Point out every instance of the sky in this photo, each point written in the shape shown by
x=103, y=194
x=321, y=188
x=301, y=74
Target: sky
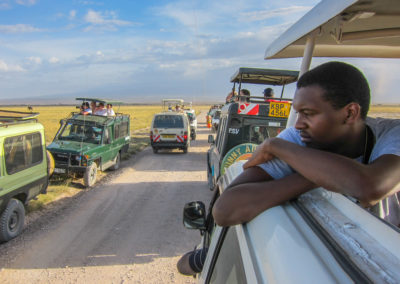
x=143, y=51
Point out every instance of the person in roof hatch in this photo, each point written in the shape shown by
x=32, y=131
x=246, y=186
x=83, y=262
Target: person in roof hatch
x=244, y=96
x=100, y=110
x=333, y=145
x=268, y=94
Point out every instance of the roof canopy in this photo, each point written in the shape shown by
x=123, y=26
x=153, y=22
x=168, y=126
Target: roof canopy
x=344, y=28
x=104, y=101
x=264, y=76
x=173, y=101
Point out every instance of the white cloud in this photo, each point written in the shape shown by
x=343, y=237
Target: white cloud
x=26, y=2
x=104, y=20
x=9, y=68
x=19, y=28
x=72, y=14
x=267, y=14
x=54, y=60
x=35, y=59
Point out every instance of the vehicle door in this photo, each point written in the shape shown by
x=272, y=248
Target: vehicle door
x=108, y=151
x=220, y=141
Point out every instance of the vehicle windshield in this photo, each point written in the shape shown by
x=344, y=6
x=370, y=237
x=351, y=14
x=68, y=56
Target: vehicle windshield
x=168, y=121
x=81, y=133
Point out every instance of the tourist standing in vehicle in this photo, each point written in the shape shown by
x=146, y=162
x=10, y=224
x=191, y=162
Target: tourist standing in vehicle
x=101, y=110
x=268, y=94
x=244, y=96
x=85, y=109
x=110, y=111
x=333, y=145
x=231, y=97
x=93, y=107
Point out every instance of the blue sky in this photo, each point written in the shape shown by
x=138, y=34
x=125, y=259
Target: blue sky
x=142, y=51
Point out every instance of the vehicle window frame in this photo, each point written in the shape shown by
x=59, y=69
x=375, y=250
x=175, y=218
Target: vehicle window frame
x=33, y=149
x=227, y=231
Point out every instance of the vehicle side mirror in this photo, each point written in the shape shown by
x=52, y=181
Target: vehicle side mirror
x=62, y=121
x=194, y=215
x=211, y=139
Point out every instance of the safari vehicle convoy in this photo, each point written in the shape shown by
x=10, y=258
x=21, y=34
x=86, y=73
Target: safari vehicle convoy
x=170, y=129
x=243, y=125
x=322, y=236
x=85, y=143
x=24, y=168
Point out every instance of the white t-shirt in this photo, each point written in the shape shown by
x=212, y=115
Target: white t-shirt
x=102, y=111
x=387, y=137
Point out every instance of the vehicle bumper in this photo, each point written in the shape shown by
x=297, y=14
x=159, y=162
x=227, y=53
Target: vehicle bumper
x=169, y=145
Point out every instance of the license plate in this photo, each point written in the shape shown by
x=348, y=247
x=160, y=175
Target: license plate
x=277, y=109
x=168, y=136
x=59, y=171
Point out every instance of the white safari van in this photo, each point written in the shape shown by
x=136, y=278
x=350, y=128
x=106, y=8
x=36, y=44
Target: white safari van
x=170, y=130
x=322, y=237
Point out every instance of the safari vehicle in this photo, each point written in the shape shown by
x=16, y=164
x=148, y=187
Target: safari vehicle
x=321, y=237
x=248, y=122
x=23, y=168
x=170, y=130
x=86, y=143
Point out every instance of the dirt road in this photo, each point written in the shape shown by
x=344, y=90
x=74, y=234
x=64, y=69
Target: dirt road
x=125, y=230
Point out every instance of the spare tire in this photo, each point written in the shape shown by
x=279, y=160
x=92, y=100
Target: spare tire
x=50, y=163
x=237, y=153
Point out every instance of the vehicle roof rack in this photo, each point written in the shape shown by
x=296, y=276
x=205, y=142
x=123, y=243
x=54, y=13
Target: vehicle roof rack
x=8, y=117
x=264, y=76
x=104, y=101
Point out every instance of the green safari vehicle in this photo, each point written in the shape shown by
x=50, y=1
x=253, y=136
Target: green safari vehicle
x=85, y=143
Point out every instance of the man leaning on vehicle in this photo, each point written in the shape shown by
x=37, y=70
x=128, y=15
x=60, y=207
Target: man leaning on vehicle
x=333, y=145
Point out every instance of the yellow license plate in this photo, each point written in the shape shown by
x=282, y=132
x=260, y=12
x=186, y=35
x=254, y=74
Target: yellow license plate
x=277, y=109
x=168, y=136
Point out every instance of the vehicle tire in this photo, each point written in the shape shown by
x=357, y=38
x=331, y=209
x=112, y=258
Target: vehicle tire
x=12, y=220
x=50, y=163
x=185, y=149
x=117, y=162
x=89, y=178
x=155, y=150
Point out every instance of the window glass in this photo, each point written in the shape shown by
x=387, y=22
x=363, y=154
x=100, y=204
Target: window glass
x=168, y=121
x=81, y=133
x=229, y=266
x=22, y=152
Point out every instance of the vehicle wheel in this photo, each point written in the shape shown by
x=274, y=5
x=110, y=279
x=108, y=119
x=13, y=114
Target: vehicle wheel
x=185, y=149
x=12, y=220
x=117, y=162
x=155, y=150
x=89, y=178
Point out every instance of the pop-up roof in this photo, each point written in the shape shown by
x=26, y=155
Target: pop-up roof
x=264, y=76
x=344, y=28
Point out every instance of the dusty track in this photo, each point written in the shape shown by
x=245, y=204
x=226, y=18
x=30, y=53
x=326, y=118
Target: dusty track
x=127, y=229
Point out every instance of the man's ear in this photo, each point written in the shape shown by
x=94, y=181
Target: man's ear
x=353, y=112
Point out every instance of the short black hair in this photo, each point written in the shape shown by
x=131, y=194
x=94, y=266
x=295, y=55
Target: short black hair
x=343, y=84
x=245, y=92
x=268, y=93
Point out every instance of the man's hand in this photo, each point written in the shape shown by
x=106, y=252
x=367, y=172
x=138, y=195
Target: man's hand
x=260, y=155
